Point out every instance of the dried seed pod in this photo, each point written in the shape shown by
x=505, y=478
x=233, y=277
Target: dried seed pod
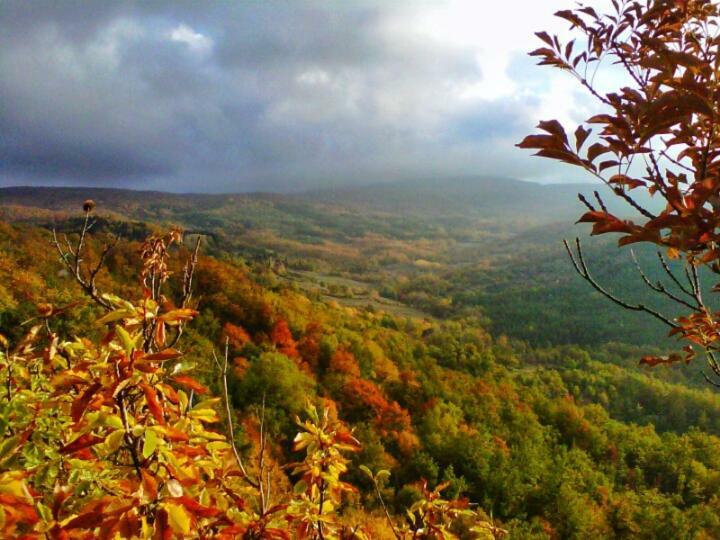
x=45, y=310
x=88, y=205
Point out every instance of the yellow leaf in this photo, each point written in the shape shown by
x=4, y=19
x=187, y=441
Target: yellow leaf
x=178, y=315
x=178, y=518
x=12, y=484
x=114, y=440
x=206, y=415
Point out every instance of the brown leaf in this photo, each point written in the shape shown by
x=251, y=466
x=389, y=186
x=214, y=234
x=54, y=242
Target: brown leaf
x=581, y=135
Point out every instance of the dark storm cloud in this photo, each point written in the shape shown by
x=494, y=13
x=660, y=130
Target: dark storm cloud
x=220, y=96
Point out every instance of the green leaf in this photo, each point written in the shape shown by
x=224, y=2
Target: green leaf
x=300, y=487
x=150, y=443
x=126, y=340
x=8, y=447
x=45, y=512
x=382, y=475
x=113, y=316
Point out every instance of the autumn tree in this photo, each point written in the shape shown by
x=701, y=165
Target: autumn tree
x=655, y=138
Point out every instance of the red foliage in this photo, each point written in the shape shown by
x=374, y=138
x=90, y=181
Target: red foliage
x=363, y=399
x=283, y=339
x=309, y=344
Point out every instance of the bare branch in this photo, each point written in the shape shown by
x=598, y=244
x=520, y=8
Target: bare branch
x=187, y=284
x=72, y=257
x=188, y=274
x=228, y=412
x=600, y=201
x=709, y=380
x=660, y=288
x=586, y=202
x=581, y=268
x=696, y=283
x=669, y=272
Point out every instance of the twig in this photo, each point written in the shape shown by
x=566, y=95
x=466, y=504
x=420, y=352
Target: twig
x=660, y=288
x=581, y=268
x=72, y=257
x=231, y=429
x=669, y=272
x=385, y=509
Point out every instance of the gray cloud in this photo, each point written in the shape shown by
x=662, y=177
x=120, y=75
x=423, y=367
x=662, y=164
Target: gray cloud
x=224, y=96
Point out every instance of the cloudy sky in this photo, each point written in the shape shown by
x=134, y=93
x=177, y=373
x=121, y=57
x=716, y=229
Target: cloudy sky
x=251, y=95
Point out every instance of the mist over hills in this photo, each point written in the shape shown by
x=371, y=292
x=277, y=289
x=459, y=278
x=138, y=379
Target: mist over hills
x=488, y=196
x=505, y=199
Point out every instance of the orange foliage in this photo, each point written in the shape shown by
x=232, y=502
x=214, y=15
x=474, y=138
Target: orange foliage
x=236, y=335
x=240, y=366
x=666, y=118
x=343, y=361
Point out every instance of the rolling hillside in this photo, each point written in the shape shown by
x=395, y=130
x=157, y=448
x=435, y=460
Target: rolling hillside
x=487, y=247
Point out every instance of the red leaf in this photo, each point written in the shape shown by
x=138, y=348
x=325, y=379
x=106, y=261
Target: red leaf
x=197, y=508
x=189, y=382
x=81, y=402
x=84, y=441
x=581, y=135
x=555, y=128
x=149, y=484
x=607, y=164
x=539, y=141
x=545, y=37
x=162, y=356
x=160, y=333
x=153, y=403
x=653, y=361
x=174, y=434
x=595, y=216
x=89, y=520
x=596, y=150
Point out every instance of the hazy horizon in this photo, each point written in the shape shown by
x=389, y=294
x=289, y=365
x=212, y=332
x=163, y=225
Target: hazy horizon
x=305, y=190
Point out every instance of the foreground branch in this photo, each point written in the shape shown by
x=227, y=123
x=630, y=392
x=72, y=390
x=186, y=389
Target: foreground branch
x=582, y=269
x=228, y=411
x=72, y=258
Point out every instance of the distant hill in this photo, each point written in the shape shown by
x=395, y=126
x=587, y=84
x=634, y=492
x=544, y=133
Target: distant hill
x=503, y=198
x=506, y=200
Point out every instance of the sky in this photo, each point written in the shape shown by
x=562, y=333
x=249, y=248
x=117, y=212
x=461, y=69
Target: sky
x=275, y=96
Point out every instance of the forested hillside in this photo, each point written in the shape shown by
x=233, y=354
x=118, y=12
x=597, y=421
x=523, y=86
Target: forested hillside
x=551, y=441
x=443, y=248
